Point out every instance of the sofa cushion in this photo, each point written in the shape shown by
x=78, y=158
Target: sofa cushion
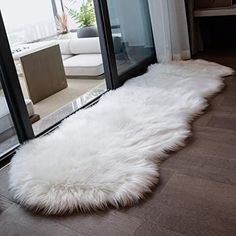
x=5, y=117
x=84, y=65
x=65, y=46
x=85, y=46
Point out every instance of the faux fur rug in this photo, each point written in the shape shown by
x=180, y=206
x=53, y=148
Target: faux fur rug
x=109, y=154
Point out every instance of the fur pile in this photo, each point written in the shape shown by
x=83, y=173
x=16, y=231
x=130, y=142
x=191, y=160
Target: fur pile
x=108, y=154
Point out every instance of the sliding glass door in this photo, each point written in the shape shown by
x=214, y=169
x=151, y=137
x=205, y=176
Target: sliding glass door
x=58, y=72
x=127, y=49
x=15, y=125
x=128, y=46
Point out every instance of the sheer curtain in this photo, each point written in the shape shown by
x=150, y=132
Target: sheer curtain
x=170, y=29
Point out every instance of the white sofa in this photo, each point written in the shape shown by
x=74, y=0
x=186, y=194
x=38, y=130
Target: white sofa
x=5, y=117
x=82, y=57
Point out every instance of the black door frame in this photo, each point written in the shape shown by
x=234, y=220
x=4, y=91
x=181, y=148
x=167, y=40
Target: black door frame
x=12, y=90
x=106, y=42
x=105, y=34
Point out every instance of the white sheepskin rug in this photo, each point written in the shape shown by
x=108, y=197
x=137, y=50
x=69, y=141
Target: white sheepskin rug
x=108, y=155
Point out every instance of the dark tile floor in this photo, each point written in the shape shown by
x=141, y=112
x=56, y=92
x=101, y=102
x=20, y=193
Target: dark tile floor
x=196, y=194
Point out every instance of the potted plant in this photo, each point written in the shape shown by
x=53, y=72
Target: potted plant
x=86, y=19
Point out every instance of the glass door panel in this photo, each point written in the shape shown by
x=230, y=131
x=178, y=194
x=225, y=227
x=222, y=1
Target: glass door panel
x=131, y=33
x=127, y=39
x=55, y=81
x=8, y=137
x=14, y=118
